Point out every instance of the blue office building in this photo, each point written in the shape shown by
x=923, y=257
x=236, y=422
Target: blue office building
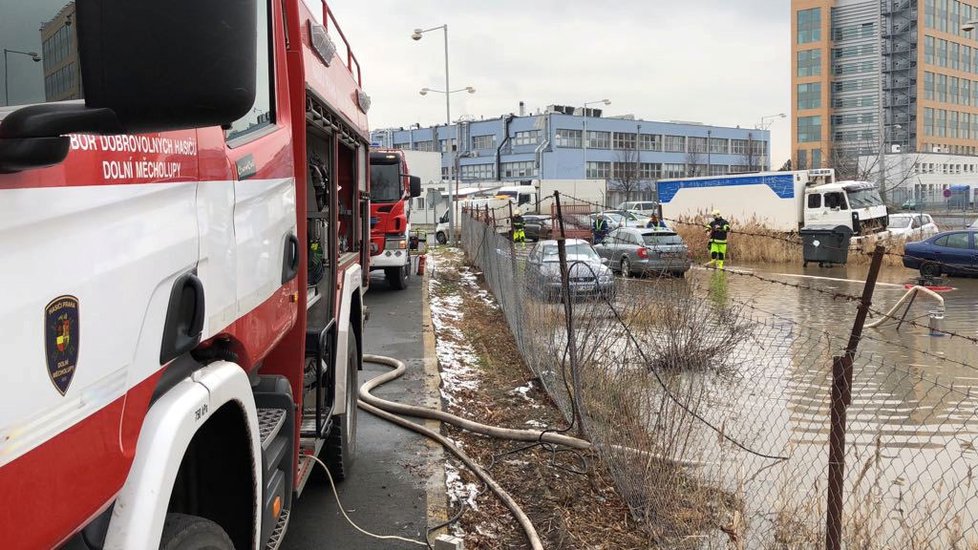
x=619, y=151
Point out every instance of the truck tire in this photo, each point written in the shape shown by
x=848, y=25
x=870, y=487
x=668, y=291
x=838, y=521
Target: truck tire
x=341, y=443
x=441, y=237
x=185, y=532
x=397, y=277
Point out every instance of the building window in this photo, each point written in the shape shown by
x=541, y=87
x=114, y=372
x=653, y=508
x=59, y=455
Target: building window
x=476, y=171
x=809, y=129
x=674, y=144
x=426, y=145
x=854, y=68
x=929, y=50
x=598, y=140
x=650, y=142
x=853, y=31
x=598, y=170
x=809, y=63
x=809, y=25
x=809, y=96
x=696, y=144
x=649, y=171
x=802, y=155
x=928, y=85
x=528, y=137
x=569, y=138
x=447, y=145
x=719, y=146
x=738, y=147
x=624, y=140
x=673, y=170
x=484, y=142
x=519, y=169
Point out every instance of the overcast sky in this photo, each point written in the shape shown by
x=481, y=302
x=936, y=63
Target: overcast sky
x=723, y=62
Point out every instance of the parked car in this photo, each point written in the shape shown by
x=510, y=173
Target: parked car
x=622, y=218
x=635, y=251
x=950, y=252
x=644, y=207
x=537, y=227
x=913, y=227
x=910, y=204
x=588, y=274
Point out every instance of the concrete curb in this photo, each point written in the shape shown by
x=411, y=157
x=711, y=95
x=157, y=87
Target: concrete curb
x=436, y=492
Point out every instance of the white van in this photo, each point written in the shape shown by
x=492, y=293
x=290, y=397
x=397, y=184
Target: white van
x=645, y=207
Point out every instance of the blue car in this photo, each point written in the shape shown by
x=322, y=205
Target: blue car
x=950, y=252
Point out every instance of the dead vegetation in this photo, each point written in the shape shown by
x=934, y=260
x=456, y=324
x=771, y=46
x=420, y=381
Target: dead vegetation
x=569, y=496
x=752, y=242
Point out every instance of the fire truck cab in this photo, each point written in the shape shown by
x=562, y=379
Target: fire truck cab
x=391, y=190
x=184, y=208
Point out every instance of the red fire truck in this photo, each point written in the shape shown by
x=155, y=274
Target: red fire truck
x=181, y=265
x=391, y=190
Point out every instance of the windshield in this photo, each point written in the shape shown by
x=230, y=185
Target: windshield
x=864, y=198
x=899, y=223
x=661, y=238
x=385, y=185
x=578, y=249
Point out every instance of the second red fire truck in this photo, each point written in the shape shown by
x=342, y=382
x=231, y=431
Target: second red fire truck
x=182, y=259
x=391, y=190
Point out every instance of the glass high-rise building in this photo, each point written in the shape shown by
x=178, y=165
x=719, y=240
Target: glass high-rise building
x=901, y=75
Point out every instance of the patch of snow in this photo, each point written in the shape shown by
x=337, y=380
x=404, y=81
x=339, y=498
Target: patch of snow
x=459, y=491
x=523, y=391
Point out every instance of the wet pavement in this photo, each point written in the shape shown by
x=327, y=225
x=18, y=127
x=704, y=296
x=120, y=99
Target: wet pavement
x=385, y=493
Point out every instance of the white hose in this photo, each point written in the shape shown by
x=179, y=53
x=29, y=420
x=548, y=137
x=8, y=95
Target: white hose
x=888, y=316
x=373, y=405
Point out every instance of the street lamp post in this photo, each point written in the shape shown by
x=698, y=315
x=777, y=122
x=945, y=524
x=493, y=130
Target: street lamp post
x=709, y=157
x=416, y=35
x=584, y=131
x=765, y=125
x=6, y=88
x=453, y=167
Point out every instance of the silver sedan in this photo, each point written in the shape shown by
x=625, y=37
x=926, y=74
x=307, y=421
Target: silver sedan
x=636, y=251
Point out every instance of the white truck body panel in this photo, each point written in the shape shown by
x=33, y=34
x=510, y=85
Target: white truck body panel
x=772, y=199
x=592, y=191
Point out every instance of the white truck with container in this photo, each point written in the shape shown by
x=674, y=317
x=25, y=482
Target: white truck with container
x=830, y=216
x=779, y=201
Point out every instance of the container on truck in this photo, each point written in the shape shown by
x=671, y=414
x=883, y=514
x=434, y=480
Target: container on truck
x=781, y=201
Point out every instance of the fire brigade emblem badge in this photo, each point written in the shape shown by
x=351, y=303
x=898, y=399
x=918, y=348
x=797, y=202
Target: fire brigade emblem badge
x=61, y=339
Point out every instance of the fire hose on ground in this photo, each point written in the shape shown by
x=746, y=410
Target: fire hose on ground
x=388, y=410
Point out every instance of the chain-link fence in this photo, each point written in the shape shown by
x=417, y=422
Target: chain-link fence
x=713, y=415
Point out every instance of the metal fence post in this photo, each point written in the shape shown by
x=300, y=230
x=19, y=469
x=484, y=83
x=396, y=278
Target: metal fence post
x=841, y=398
x=569, y=314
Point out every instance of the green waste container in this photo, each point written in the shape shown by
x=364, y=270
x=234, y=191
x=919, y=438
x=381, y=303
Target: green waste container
x=825, y=245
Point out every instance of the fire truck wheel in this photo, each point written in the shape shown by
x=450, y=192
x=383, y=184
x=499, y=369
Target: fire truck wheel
x=183, y=532
x=397, y=277
x=341, y=443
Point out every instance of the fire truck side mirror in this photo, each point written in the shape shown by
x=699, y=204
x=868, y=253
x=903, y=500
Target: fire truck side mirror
x=146, y=66
x=168, y=65
x=415, y=186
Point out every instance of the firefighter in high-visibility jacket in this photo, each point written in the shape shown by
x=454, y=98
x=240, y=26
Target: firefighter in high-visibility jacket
x=718, y=229
x=519, y=227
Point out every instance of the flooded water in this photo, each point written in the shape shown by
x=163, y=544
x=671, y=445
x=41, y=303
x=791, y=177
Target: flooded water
x=912, y=426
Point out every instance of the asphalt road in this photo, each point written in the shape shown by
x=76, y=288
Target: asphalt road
x=385, y=493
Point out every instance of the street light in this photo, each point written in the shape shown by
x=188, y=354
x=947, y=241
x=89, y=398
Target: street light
x=762, y=126
x=454, y=168
x=416, y=35
x=584, y=131
x=6, y=90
